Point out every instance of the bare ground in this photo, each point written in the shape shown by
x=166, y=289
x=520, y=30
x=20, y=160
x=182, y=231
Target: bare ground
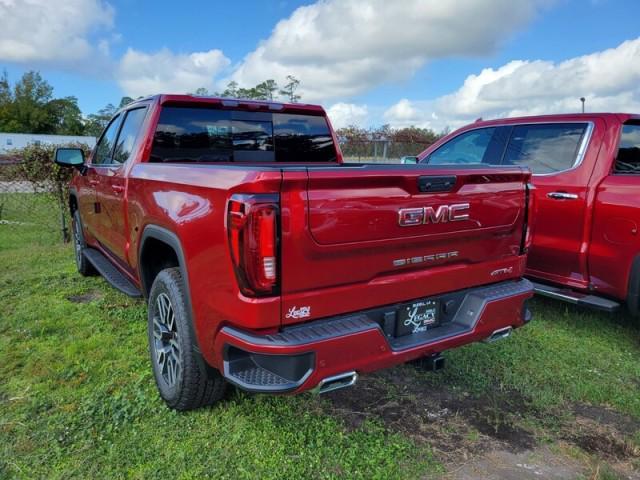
x=499, y=435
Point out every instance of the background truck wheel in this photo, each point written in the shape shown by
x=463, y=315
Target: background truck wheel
x=184, y=380
x=84, y=266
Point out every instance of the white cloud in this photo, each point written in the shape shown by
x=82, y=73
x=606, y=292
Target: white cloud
x=341, y=48
x=346, y=114
x=405, y=114
x=49, y=31
x=609, y=80
x=141, y=73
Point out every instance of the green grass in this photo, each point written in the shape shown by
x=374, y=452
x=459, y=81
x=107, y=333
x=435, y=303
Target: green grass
x=34, y=217
x=77, y=397
x=565, y=355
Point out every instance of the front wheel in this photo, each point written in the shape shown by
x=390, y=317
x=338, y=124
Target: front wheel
x=182, y=376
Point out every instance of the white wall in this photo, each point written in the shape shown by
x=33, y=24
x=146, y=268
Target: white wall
x=10, y=141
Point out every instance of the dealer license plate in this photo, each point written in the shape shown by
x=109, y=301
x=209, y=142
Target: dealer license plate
x=416, y=317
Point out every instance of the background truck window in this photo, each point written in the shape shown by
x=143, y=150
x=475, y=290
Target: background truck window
x=628, y=158
x=545, y=148
x=212, y=135
x=474, y=147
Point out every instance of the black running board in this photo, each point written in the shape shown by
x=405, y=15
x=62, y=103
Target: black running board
x=110, y=273
x=577, y=298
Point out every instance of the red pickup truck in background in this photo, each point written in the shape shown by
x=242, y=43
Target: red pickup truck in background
x=269, y=263
x=586, y=173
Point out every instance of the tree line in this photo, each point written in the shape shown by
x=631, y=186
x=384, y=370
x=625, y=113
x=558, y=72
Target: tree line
x=370, y=142
x=29, y=105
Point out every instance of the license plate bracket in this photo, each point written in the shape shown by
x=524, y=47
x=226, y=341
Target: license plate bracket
x=417, y=317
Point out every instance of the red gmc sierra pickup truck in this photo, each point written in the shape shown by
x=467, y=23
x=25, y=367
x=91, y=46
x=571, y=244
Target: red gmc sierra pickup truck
x=271, y=264
x=586, y=173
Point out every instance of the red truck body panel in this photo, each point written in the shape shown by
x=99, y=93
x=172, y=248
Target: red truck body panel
x=587, y=243
x=341, y=246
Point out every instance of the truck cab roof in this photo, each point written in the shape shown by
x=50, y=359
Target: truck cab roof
x=230, y=103
x=556, y=117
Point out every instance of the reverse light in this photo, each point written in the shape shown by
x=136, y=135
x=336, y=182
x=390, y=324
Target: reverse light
x=252, y=223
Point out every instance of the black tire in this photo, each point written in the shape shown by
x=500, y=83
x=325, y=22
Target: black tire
x=79, y=245
x=184, y=380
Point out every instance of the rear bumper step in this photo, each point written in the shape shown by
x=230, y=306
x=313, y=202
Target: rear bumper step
x=110, y=273
x=318, y=353
x=576, y=298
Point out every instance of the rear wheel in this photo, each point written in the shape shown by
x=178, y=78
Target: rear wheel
x=79, y=245
x=184, y=380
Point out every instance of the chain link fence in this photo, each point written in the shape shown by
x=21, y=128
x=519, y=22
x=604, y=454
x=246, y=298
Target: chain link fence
x=380, y=151
x=28, y=205
x=34, y=193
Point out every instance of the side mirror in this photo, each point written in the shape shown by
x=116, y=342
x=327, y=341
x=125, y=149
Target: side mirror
x=69, y=157
x=409, y=160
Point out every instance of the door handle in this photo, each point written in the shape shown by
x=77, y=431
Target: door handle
x=117, y=188
x=562, y=196
x=94, y=183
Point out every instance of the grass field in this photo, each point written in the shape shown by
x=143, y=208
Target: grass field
x=77, y=398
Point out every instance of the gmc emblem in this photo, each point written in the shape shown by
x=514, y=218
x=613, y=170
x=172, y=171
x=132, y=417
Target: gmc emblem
x=409, y=217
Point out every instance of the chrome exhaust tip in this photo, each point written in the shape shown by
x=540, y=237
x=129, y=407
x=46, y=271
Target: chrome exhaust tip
x=336, y=382
x=499, y=334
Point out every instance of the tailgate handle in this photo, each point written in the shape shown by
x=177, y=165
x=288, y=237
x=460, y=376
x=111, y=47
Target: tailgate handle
x=436, y=184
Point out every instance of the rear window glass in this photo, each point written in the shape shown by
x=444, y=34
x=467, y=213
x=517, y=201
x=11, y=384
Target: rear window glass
x=545, y=148
x=211, y=135
x=628, y=159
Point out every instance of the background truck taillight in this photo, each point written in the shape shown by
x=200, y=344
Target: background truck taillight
x=252, y=223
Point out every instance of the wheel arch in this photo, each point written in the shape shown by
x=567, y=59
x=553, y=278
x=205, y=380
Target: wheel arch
x=160, y=248
x=154, y=233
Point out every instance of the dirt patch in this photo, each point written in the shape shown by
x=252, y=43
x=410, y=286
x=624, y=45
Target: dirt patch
x=85, y=297
x=606, y=445
x=455, y=424
x=603, y=432
x=605, y=416
x=463, y=428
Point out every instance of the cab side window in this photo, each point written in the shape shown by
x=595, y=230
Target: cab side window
x=128, y=135
x=628, y=158
x=104, y=149
x=545, y=148
x=475, y=147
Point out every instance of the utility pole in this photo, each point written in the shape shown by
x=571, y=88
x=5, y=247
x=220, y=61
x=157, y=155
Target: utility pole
x=582, y=99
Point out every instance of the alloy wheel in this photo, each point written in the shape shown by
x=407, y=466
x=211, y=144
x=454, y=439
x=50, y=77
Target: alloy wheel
x=165, y=341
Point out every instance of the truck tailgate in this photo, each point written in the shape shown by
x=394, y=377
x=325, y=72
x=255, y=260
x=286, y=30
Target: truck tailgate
x=354, y=237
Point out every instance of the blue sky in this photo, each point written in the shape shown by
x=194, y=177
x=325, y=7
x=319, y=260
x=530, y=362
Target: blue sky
x=368, y=62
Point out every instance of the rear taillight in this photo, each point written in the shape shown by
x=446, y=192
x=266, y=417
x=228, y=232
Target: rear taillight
x=252, y=223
